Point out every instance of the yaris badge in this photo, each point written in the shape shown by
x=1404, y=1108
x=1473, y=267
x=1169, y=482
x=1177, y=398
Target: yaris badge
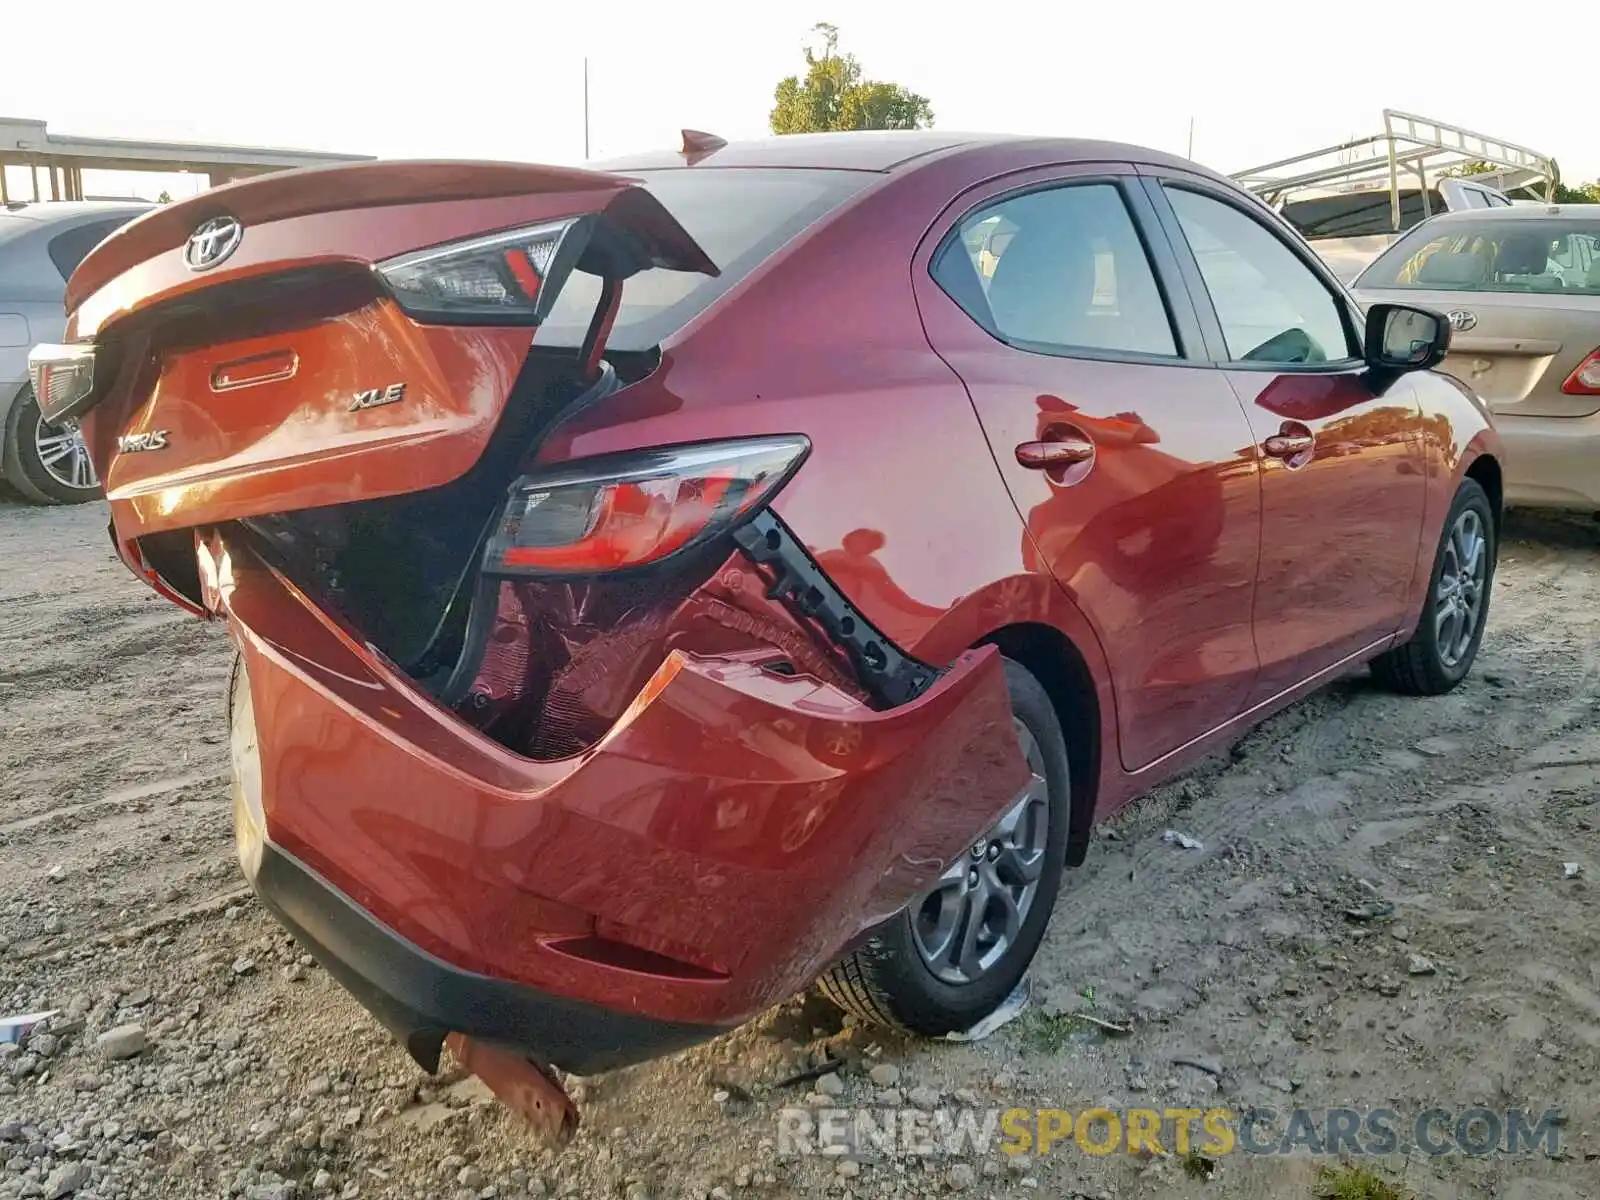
x=132, y=443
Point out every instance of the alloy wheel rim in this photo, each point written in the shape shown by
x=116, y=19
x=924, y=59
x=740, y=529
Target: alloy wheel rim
x=1463, y=581
x=64, y=455
x=964, y=925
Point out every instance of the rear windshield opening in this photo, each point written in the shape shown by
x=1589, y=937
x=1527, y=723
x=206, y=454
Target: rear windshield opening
x=1360, y=214
x=1489, y=255
x=739, y=216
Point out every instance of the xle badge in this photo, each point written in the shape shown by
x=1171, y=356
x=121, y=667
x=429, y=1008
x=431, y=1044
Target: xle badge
x=132, y=443
x=378, y=397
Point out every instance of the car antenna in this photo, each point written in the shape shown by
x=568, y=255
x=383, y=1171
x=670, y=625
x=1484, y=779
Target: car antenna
x=697, y=144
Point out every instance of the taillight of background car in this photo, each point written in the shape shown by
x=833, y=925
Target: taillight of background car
x=1585, y=381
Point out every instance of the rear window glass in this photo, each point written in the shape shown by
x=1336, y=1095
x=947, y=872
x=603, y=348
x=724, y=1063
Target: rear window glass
x=738, y=216
x=69, y=249
x=1359, y=214
x=1548, y=256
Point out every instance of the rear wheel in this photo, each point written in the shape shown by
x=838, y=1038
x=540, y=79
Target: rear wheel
x=1441, y=651
x=48, y=464
x=956, y=952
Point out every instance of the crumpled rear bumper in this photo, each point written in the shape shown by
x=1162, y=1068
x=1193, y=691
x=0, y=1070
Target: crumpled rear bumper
x=729, y=837
x=420, y=998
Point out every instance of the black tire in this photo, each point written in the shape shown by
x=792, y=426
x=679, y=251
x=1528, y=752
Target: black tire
x=22, y=465
x=888, y=982
x=1420, y=667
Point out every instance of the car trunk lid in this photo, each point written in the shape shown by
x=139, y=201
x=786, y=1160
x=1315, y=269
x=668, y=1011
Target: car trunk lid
x=287, y=374
x=282, y=353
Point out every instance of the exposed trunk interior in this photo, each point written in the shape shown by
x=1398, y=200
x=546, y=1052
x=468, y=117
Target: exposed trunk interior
x=349, y=344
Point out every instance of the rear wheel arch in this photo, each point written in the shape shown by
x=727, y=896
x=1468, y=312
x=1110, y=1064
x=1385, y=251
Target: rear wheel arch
x=1486, y=469
x=1052, y=658
x=21, y=464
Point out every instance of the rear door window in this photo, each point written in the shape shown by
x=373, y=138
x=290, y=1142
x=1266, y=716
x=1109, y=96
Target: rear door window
x=1058, y=270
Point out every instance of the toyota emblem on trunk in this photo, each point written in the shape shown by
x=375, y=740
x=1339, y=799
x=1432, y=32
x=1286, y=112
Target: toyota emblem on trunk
x=212, y=242
x=1461, y=320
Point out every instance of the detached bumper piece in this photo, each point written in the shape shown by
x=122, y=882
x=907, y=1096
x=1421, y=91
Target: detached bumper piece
x=729, y=837
x=522, y=1086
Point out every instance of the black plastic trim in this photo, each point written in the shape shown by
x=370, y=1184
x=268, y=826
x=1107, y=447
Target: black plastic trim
x=420, y=998
x=890, y=675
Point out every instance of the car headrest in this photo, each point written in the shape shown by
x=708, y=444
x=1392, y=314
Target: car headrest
x=1043, y=284
x=1523, y=254
x=1453, y=267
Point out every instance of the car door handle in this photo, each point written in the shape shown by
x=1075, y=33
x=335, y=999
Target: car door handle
x=1287, y=445
x=1044, y=456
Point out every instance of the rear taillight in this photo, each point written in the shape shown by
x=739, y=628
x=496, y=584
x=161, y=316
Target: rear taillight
x=1585, y=381
x=62, y=379
x=637, y=509
x=506, y=278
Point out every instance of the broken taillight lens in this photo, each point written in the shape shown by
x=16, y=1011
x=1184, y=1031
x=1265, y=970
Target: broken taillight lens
x=637, y=509
x=506, y=278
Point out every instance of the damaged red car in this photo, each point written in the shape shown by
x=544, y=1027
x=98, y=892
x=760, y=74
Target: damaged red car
x=660, y=587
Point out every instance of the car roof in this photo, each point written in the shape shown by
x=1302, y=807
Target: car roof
x=46, y=211
x=865, y=150
x=1520, y=212
x=884, y=150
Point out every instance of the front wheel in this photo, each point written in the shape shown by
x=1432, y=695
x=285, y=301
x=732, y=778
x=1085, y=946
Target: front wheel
x=1441, y=651
x=48, y=464
x=956, y=952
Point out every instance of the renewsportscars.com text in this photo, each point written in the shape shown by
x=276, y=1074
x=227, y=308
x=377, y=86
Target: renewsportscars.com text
x=1214, y=1132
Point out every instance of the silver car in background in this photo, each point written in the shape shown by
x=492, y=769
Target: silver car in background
x=40, y=245
x=1521, y=287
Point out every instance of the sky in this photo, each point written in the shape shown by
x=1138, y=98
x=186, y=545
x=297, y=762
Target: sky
x=489, y=79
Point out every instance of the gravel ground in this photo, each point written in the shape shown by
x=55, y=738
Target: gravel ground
x=198, y=1054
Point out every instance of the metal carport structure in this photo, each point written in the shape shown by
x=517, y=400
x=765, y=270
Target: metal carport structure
x=62, y=159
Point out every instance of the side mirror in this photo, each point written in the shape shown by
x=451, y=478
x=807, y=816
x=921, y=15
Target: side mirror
x=1402, y=338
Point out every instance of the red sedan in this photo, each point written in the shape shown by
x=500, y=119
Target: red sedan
x=659, y=587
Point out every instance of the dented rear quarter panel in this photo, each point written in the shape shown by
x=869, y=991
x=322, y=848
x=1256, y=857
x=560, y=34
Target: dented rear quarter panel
x=901, y=501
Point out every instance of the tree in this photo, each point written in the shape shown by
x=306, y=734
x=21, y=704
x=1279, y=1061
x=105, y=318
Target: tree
x=1584, y=193
x=834, y=96
x=164, y=198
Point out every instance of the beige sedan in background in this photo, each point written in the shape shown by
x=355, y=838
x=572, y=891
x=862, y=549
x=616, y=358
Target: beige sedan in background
x=1521, y=287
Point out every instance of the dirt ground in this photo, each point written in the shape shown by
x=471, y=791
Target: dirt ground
x=1268, y=961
